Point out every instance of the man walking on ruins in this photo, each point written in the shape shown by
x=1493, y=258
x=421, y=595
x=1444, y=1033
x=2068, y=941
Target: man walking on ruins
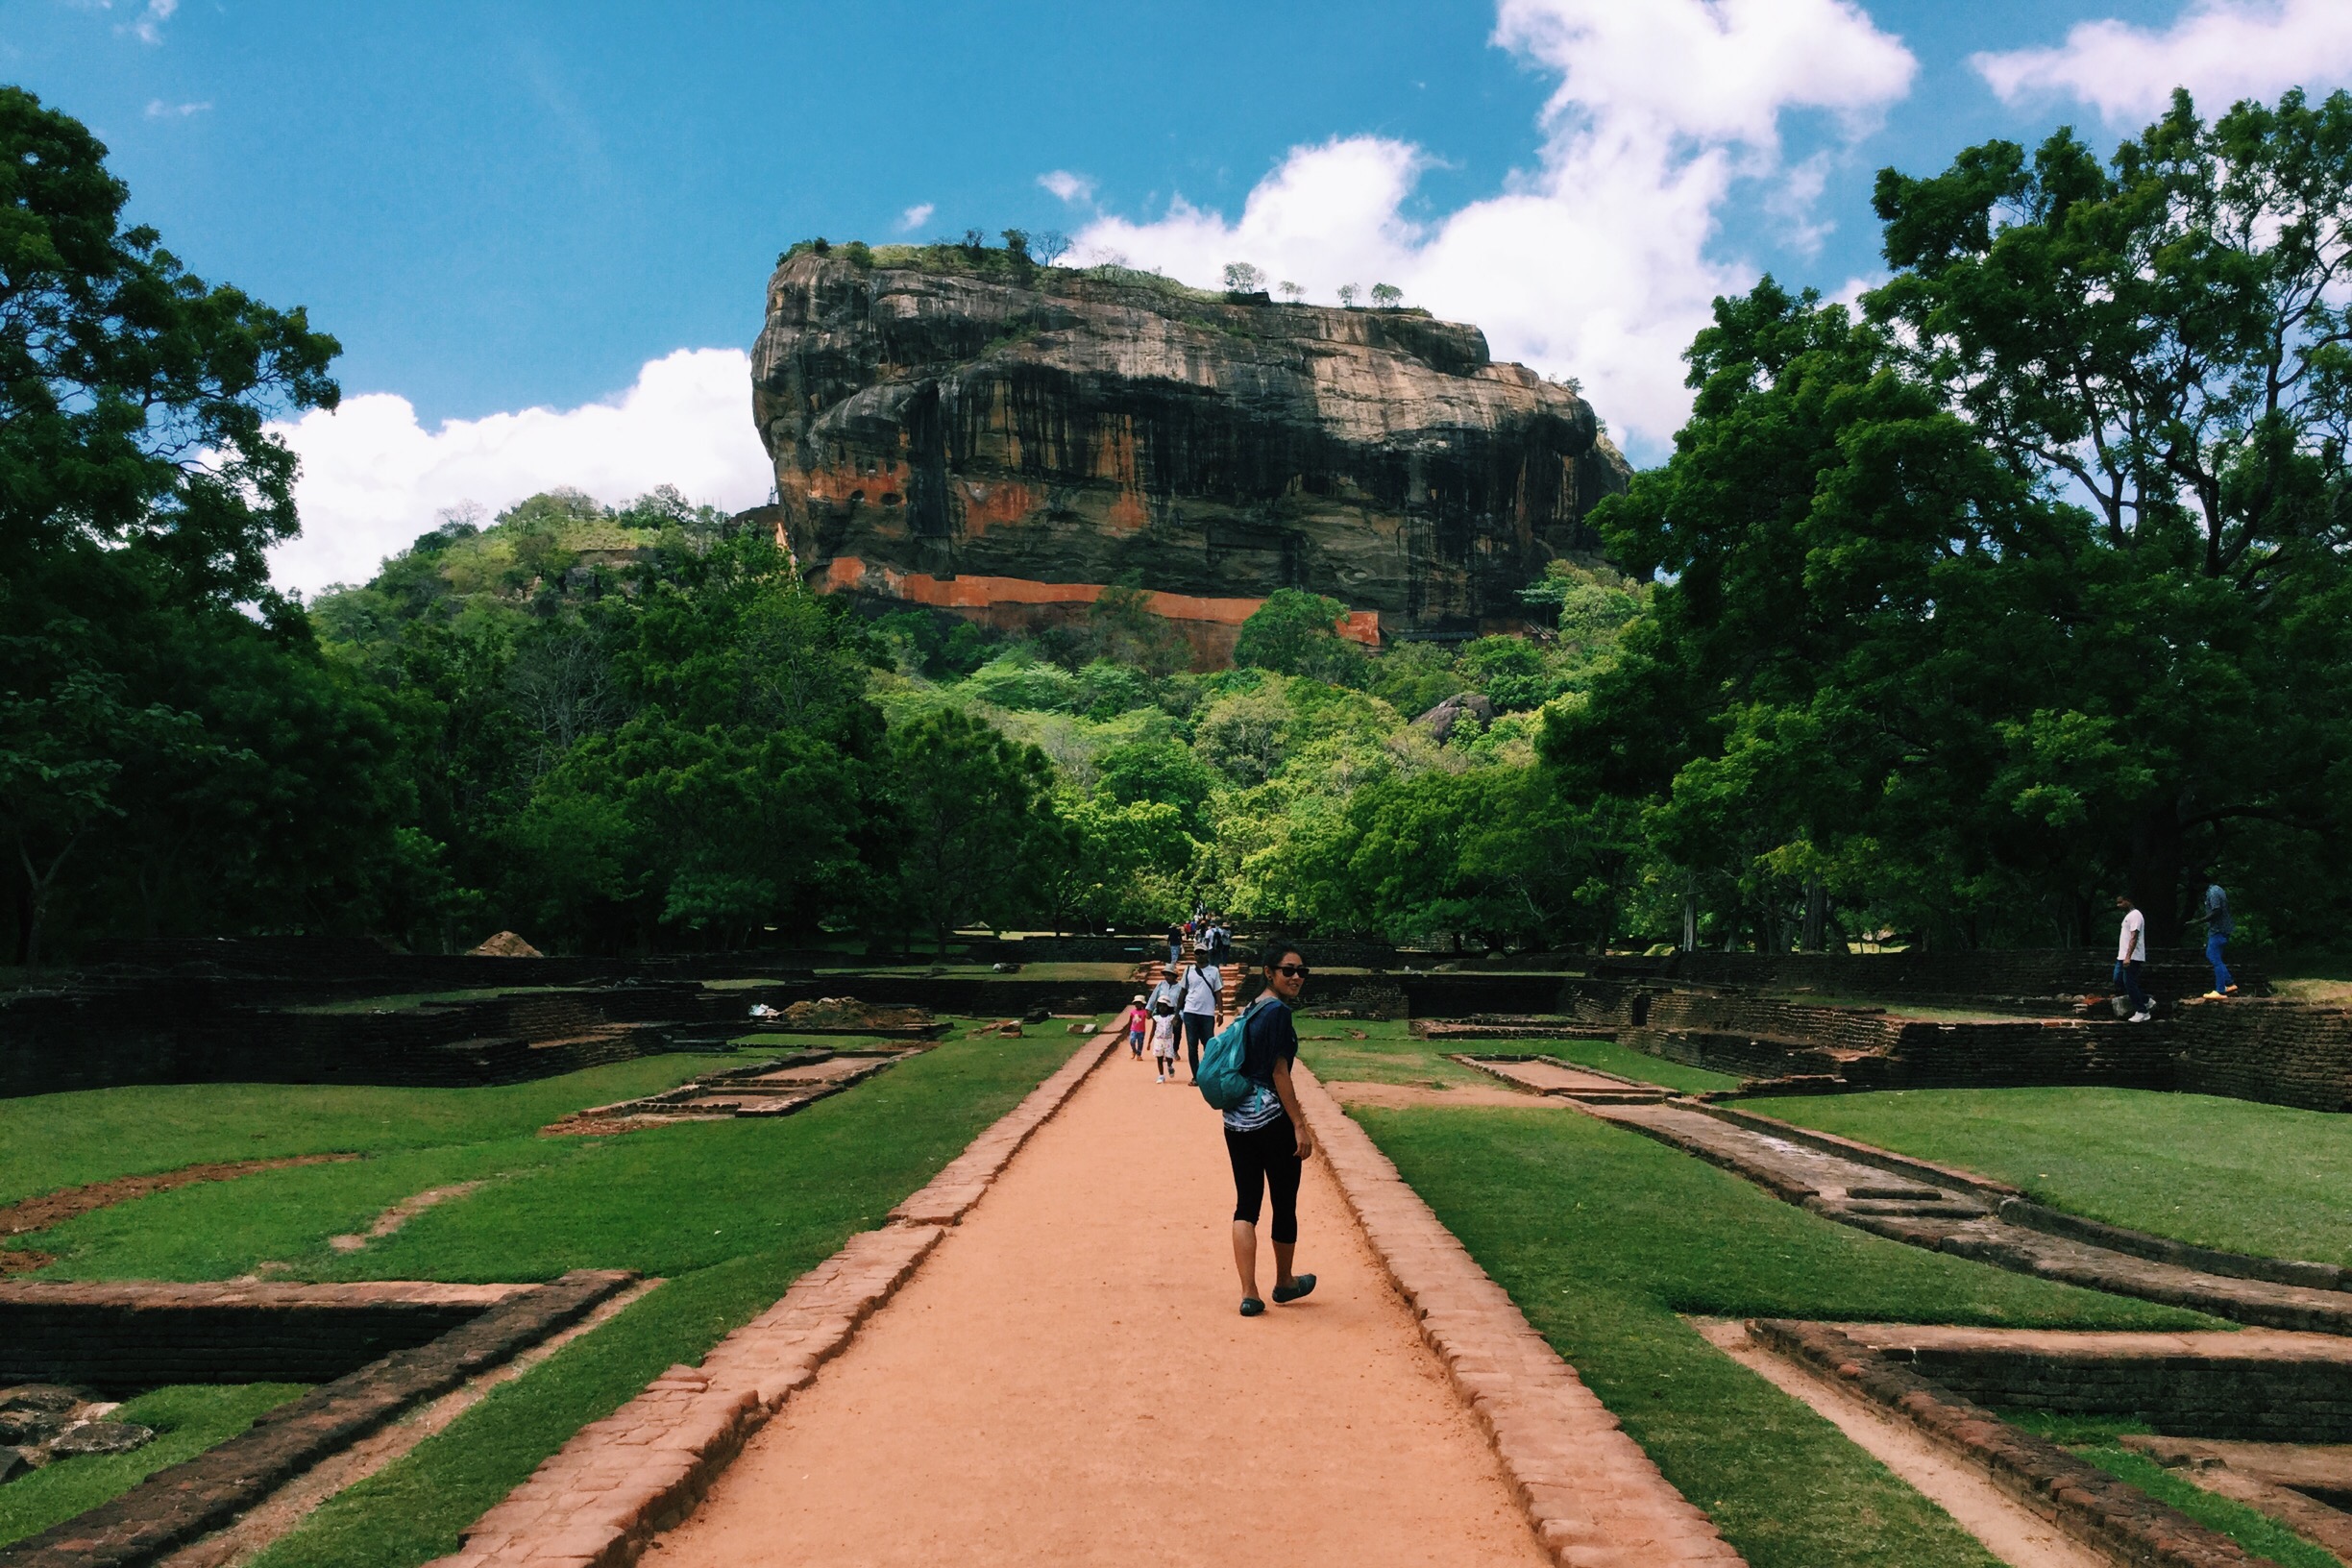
x=1203, y=996
x=2131, y=956
x=2220, y=927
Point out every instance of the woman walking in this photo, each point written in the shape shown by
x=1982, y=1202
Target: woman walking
x=1266, y=1136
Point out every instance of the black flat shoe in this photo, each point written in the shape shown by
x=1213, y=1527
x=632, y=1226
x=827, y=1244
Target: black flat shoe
x=1303, y=1286
x=1251, y=1306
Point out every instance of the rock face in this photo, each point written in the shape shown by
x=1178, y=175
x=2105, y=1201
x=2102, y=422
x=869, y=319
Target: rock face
x=1004, y=444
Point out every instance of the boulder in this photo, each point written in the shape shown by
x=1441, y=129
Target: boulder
x=1439, y=721
x=1004, y=444
x=99, y=1437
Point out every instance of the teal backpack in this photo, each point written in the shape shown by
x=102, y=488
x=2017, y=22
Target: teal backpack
x=1219, y=1077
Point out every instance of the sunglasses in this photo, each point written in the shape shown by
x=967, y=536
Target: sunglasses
x=1295, y=971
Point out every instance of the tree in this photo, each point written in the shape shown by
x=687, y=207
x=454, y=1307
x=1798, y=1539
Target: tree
x=2164, y=340
x=1161, y=772
x=1049, y=245
x=1347, y=296
x=1291, y=292
x=1240, y=278
x=1387, y=296
x=1017, y=243
x=1123, y=627
x=1948, y=632
x=973, y=829
x=139, y=489
x=1293, y=632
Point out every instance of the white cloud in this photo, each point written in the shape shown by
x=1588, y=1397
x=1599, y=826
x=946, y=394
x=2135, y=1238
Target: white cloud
x=373, y=479
x=159, y=109
x=2221, y=50
x=1070, y=187
x=148, y=28
x=1594, y=263
x=915, y=218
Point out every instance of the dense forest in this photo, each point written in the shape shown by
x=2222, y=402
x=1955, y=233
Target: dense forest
x=2020, y=584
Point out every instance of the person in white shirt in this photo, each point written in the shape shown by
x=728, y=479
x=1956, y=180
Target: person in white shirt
x=1165, y=1031
x=1203, y=998
x=2131, y=955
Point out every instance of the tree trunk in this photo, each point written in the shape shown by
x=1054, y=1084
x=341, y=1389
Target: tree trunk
x=1816, y=917
x=1690, y=922
x=2156, y=872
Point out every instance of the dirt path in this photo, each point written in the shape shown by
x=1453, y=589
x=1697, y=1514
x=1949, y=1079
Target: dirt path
x=1066, y=1381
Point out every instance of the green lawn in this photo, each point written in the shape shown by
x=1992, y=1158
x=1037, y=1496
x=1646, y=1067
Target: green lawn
x=49, y=1142
x=1604, y=1237
x=188, y=1418
x=1393, y=1055
x=729, y=1213
x=2222, y=1173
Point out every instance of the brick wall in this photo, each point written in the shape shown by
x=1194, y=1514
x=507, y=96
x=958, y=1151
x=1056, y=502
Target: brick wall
x=2278, y=1052
x=139, y=1333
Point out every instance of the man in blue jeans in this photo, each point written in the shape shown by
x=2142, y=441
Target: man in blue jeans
x=2218, y=929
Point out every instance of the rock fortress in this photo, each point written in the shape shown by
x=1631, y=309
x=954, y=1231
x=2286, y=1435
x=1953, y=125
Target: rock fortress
x=1003, y=446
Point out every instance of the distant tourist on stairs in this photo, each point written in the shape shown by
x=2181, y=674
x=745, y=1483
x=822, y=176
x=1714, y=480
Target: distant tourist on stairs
x=1266, y=1136
x=2220, y=927
x=2131, y=957
x=1175, y=940
x=1203, y=998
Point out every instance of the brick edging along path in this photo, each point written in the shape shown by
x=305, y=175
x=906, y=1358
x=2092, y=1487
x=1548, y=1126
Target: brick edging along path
x=1596, y=1500
x=600, y=1498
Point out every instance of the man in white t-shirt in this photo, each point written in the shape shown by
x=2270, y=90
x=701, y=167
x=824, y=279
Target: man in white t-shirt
x=1203, y=998
x=2131, y=954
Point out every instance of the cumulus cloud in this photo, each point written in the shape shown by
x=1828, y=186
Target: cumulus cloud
x=148, y=26
x=2221, y=50
x=916, y=216
x=1596, y=261
x=159, y=109
x=1070, y=187
x=373, y=479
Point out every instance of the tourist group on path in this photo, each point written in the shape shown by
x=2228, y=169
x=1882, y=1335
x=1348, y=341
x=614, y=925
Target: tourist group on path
x=1243, y=1071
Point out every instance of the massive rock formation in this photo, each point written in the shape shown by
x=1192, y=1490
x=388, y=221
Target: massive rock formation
x=1005, y=443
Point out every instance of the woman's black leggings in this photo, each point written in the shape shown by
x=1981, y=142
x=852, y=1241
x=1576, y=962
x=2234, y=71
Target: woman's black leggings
x=1266, y=1159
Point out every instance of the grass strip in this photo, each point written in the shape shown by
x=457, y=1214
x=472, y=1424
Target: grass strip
x=1602, y=1238
x=1391, y=1053
x=188, y=1418
x=787, y=1200
x=49, y=1142
x=2265, y=1179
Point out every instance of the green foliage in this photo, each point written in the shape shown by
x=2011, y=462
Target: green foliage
x=1293, y=634
x=174, y=754
x=1967, y=646
x=973, y=834
x=1161, y=772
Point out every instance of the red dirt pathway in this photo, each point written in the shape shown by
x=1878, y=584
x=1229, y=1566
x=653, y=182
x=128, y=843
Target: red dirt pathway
x=1067, y=1380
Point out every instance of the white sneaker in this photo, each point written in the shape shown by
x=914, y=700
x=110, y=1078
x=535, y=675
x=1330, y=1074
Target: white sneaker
x=2141, y=1018
x=1161, y=1079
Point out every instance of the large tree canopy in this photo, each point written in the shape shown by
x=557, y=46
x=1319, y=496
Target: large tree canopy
x=151, y=683
x=2028, y=587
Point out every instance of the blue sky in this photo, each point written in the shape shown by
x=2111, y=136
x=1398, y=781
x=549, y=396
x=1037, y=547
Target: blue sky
x=500, y=209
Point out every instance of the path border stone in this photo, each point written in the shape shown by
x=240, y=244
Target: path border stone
x=1595, y=1499
x=600, y=1499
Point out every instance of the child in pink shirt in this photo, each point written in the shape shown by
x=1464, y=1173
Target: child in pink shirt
x=1138, y=1020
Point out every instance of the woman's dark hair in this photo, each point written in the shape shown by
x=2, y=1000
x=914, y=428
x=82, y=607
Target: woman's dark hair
x=1274, y=952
